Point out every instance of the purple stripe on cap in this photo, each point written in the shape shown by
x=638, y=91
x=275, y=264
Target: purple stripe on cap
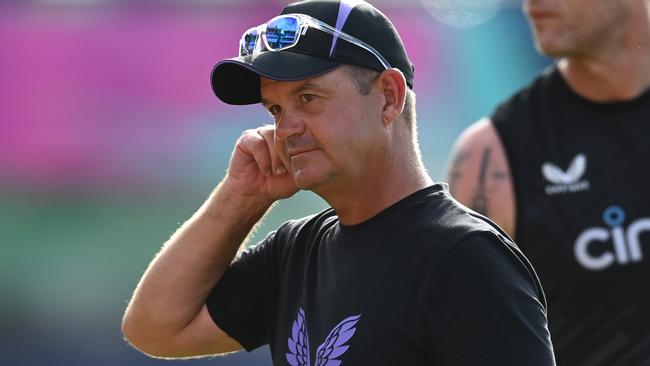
x=345, y=8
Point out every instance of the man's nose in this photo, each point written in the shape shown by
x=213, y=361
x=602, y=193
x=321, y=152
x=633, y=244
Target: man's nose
x=289, y=124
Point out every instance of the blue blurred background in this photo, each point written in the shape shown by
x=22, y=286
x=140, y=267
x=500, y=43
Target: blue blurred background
x=110, y=138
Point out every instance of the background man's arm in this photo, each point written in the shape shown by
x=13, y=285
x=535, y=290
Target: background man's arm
x=479, y=175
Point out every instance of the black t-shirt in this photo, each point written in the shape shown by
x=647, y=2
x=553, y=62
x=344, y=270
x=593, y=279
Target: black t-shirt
x=424, y=282
x=581, y=173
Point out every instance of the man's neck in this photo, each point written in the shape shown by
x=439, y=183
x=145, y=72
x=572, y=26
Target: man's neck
x=607, y=81
x=358, y=201
x=615, y=71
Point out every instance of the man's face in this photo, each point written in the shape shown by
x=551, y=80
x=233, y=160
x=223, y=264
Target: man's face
x=326, y=132
x=567, y=28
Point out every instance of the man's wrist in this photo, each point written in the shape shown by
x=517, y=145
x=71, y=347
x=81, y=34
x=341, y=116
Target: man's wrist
x=228, y=204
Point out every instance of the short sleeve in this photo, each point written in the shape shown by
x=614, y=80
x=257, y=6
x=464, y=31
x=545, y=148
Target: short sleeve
x=488, y=307
x=239, y=301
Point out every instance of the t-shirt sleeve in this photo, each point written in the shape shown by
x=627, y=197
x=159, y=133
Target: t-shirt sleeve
x=240, y=301
x=488, y=307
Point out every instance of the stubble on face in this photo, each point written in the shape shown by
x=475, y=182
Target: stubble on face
x=574, y=28
x=318, y=140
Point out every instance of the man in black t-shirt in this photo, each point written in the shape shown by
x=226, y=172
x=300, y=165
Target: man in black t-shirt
x=394, y=273
x=562, y=167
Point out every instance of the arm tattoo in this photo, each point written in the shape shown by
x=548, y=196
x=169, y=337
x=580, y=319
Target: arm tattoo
x=454, y=171
x=479, y=202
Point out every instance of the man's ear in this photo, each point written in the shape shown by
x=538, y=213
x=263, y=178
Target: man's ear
x=393, y=88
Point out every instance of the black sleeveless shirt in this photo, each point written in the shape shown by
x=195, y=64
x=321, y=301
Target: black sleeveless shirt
x=581, y=174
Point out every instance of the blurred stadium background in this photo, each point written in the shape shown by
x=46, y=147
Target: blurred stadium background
x=110, y=137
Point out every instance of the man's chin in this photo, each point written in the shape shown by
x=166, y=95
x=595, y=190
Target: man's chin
x=551, y=49
x=303, y=180
x=310, y=182
x=551, y=52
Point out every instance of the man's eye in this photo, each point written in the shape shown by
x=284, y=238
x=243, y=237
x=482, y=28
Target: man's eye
x=306, y=98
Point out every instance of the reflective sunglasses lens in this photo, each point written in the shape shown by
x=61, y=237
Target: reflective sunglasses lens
x=282, y=33
x=248, y=41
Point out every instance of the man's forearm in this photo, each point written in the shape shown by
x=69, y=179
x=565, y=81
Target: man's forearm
x=177, y=282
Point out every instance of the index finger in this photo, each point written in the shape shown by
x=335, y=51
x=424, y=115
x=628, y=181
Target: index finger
x=268, y=133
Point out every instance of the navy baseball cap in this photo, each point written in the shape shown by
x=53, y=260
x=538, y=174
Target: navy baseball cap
x=237, y=80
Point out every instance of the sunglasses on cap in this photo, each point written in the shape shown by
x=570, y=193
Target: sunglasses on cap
x=284, y=31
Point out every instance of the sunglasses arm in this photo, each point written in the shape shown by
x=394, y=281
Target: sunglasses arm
x=333, y=31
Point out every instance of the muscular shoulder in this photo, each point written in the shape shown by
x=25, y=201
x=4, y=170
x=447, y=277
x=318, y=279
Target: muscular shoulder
x=479, y=176
x=479, y=134
x=478, y=144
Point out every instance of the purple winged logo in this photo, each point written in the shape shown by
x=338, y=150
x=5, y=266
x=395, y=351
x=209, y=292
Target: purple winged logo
x=328, y=352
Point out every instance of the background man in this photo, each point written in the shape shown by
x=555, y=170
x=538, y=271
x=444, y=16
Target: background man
x=562, y=167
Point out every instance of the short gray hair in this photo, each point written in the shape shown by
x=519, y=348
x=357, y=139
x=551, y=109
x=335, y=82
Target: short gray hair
x=363, y=79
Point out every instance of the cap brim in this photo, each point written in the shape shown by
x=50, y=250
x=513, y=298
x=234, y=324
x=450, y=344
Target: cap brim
x=237, y=80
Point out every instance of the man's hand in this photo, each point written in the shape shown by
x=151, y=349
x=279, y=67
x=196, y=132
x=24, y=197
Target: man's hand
x=256, y=168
